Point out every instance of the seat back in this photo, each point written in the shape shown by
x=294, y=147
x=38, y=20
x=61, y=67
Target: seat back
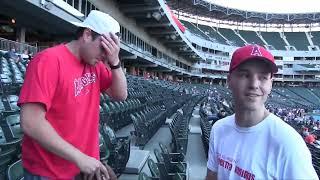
x=104, y=151
x=153, y=168
x=15, y=171
x=163, y=148
x=143, y=176
x=110, y=137
x=13, y=122
x=2, y=137
x=159, y=156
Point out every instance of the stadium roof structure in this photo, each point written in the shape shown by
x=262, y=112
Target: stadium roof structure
x=152, y=17
x=213, y=10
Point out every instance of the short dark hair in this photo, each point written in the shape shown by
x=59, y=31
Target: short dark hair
x=80, y=31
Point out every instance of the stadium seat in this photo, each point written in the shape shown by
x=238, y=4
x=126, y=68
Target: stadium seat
x=15, y=171
x=298, y=40
x=147, y=122
x=174, y=157
x=119, y=148
x=155, y=172
x=144, y=176
x=251, y=37
x=170, y=176
x=232, y=37
x=171, y=167
x=11, y=127
x=104, y=151
x=274, y=39
x=8, y=151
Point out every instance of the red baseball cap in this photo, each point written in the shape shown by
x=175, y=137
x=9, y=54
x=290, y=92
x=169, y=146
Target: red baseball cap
x=251, y=52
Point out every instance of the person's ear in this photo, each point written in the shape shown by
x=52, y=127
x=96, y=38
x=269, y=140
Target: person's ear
x=87, y=35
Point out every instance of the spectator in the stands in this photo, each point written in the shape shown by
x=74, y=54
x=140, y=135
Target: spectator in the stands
x=12, y=54
x=253, y=143
x=310, y=138
x=222, y=113
x=305, y=131
x=25, y=55
x=315, y=126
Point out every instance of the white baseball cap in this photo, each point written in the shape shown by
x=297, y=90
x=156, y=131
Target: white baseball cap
x=100, y=23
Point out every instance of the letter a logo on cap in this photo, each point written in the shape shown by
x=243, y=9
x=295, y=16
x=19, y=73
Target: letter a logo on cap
x=256, y=51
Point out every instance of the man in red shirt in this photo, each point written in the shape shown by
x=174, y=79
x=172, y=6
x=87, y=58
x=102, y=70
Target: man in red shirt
x=60, y=101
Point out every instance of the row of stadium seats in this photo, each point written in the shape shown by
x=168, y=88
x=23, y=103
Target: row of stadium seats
x=179, y=127
x=147, y=122
x=179, y=131
x=10, y=140
x=172, y=165
x=169, y=166
x=117, y=114
x=225, y=36
x=306, y=94
x=205, y=131
x=12, y=75
x=288, y=94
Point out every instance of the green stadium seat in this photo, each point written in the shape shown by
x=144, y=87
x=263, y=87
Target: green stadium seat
x=15, y=171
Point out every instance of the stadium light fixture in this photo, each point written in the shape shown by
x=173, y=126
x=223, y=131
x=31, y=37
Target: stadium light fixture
x=173, y=36
x=157, y=15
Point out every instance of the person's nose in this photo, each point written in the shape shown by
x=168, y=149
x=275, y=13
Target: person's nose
x=254, y=82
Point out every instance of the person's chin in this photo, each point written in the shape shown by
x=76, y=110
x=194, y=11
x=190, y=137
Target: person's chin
x=92, y=63
x=251, y=105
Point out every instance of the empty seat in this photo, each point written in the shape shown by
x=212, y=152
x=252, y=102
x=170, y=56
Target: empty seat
x=118, y=147
x=171, y=167
x=175, y=157
x=8, y=151
x=11, y=127
x=15, y=171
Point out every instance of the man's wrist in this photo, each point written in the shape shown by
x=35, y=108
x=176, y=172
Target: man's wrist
x=116, y=66
x=116, y=62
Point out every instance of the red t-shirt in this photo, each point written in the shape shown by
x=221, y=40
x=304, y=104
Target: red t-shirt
x=70, y=91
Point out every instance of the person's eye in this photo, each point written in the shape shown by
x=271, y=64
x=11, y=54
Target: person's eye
x=101, y=47
x=243, y=75
x=264, y=77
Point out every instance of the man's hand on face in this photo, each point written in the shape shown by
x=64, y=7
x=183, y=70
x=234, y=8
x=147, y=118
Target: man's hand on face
x=111, y=45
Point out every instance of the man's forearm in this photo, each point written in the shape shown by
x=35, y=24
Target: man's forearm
x=49, y=139
x=118, y=89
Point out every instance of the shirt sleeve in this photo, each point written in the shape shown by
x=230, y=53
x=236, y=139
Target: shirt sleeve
x=40, y=81
x=105, y=77
x=298, y=164
x=212, y=159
